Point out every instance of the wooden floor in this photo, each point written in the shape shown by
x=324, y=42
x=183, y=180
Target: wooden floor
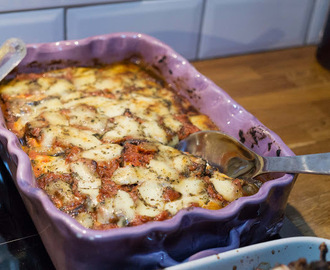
x=289, y=92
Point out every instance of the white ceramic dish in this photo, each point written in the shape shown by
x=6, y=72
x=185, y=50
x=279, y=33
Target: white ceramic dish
x=264, y=255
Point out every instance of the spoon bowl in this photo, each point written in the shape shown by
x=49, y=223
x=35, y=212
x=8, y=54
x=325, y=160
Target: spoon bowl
x=236, y=160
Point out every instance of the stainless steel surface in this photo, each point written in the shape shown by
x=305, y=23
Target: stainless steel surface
x=236, y=160
x=12, y=52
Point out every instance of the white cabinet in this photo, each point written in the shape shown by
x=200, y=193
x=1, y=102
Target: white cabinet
x=33, y=26
x=197, y=29
x=15, y=5
x=242, y=26
x=317, y=21
x=175, y=22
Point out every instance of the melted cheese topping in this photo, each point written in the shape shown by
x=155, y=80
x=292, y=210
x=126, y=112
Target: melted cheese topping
x=100, y=141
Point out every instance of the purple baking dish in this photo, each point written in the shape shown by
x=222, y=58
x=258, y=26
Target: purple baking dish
x=189, y=235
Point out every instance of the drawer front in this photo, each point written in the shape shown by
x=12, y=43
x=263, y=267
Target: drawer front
x=15, y=5
x=317, y=22
x=241, y=26
x=33, y=26
x=176, y=23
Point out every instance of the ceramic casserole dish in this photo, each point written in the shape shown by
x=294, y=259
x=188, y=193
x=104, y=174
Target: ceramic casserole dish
x=190, y=234
x=265, y=256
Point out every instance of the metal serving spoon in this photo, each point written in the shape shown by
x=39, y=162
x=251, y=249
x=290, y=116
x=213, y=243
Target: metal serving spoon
x=236, y=160
x=12, y=52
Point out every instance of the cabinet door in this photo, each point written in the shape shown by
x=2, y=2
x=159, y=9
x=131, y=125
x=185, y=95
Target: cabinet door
x=175, y=22
x=241, y=26
x=16, y=5
x=318, y=18
x=33, y=26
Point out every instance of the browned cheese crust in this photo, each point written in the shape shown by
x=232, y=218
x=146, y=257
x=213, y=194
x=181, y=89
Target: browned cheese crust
x=101, y=143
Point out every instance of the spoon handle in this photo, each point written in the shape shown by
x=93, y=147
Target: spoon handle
x=311, y=164
x=12, y=52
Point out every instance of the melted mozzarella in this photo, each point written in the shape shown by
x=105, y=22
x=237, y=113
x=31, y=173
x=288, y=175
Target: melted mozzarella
x=31, y=112
x=108, y=84
x=106, y=211
x=16, y=88
x=145, y=210
x=152, y=193
x=104, y=152
x=163, y=169
x=172, y=123
x=71, y=96
x=201, y=121
x=53, y=104
x=123, y=127
x=55, y=118
x=192, y=190
x=86, y=117
x=88, y=182
x=61, y=190
x=95, y=100
x=168, y=152
x=190, y=187
x=153, y=131
x=124, y=207
x=87, y=178
x=225, y=187
x=83, y=77
x=113, y=108
x=174, y=207
x=147, y=107
x=60, y=88
x=68, y=136
x=181, y=163
x=125, y=176
x=85, y=219
x=145, y=174
x=51, y=164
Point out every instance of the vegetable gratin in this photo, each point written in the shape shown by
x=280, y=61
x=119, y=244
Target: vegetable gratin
x=101, y=140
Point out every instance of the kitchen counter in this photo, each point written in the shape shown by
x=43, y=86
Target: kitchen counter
x=289, y=92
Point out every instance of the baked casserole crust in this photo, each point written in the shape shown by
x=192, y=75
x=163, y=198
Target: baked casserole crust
x=101, y=143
